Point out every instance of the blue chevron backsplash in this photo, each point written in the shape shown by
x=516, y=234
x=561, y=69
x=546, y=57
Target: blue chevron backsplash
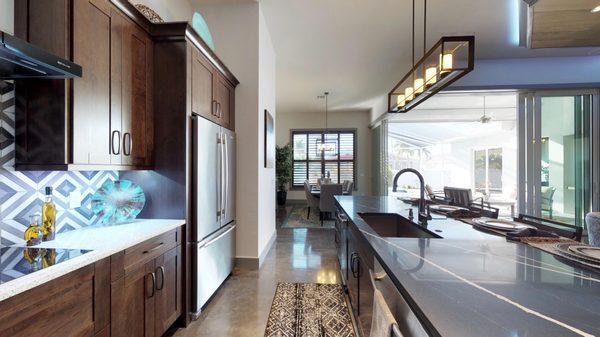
x=22, y=193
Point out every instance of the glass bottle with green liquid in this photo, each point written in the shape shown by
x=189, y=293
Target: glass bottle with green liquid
x=48, y=216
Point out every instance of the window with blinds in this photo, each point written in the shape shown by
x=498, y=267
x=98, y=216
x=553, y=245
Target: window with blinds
x=338, y=159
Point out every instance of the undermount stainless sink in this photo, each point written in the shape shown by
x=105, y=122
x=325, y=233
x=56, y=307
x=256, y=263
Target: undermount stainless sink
x=393, y=225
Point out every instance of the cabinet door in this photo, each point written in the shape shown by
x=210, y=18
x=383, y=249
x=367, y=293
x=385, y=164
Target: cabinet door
x=353, y=273
x=133, y=301
x=168, y=294
x=91, y=93
x=365, y=294
x=118, y=25
x=224, y=98
x=203, y=98
x=132, y=86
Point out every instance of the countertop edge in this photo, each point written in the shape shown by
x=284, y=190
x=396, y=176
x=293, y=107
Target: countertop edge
x=27, y=282
x=427, y=325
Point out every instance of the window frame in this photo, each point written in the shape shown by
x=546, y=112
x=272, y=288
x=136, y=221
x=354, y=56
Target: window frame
x=322, y=160
x=488, y=191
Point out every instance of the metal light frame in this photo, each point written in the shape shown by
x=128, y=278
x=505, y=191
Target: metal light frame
x=443, y=79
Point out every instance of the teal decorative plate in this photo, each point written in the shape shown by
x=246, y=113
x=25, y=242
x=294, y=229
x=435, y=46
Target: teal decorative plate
x=201, y=27
x=118, y=201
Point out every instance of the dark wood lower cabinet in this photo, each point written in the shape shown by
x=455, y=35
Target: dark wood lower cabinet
x=168, y=294
x=72, y=305
x=360, y=262
x=146, y=297
x=110, y=298
x=132, y=302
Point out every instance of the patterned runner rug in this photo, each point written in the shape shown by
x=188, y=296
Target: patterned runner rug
x=309, y=310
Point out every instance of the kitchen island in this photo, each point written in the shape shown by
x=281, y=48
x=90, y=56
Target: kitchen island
x=455, y=280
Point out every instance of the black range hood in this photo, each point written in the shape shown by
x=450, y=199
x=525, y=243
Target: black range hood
x=20, y=60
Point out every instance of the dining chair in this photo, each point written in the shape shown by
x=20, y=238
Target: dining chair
x=560, y=228
x=327, y=200
x=347, y=187
x=313, y=202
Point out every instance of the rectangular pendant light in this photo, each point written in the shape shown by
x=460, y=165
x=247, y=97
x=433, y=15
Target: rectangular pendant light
x=451, y=58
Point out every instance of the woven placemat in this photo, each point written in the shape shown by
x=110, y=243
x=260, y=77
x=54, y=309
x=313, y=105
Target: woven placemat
x=551, y=248
x=481, y=228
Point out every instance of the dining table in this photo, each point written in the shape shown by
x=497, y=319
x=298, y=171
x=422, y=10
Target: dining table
x=316, y=191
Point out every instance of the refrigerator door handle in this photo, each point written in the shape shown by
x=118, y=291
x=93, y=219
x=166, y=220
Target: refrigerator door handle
x=225, y=174
x=219, y=169
x=211, y=241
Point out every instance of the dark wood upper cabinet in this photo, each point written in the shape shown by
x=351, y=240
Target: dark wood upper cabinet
x=203, y=102
x=91, y=93
x=225, y=101
x=131, y=114
x=103, y=120
x=213, y=96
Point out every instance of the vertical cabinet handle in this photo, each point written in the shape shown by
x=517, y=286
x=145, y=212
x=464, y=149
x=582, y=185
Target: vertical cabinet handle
x=214, y=108
x=112, y=142
x=355, y=265
x=153, y=277
x=161, y=269
x=127, y=144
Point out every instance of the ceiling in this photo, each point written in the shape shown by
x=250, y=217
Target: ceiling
x=358, y=49
x=560, y=23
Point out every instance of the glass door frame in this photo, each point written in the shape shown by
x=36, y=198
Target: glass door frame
x=529, y=131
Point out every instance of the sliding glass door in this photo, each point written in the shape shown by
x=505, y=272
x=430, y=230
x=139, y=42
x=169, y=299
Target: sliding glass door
x=556, y=132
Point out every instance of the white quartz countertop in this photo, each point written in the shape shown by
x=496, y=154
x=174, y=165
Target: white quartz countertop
x=103, y=241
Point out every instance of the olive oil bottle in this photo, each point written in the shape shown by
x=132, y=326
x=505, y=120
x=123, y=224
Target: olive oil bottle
x=33, y=233
x=48, y=216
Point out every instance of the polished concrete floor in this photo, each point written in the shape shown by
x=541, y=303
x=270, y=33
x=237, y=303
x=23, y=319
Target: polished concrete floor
x=241, y=306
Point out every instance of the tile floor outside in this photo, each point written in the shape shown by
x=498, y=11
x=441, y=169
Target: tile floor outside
x=241, y=306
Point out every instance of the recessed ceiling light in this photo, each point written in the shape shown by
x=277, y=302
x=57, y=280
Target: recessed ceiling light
x=596, y=10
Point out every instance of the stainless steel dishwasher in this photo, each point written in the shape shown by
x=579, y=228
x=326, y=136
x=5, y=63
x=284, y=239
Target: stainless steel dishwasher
x=408, y=324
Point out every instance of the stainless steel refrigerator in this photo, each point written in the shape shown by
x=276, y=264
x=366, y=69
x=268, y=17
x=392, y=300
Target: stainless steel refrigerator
x=213, y=230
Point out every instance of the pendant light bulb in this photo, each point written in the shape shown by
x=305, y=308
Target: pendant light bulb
x=401, y=101
x=431, y=75
x=446, y=63
x=419, y=85
x=408, y=93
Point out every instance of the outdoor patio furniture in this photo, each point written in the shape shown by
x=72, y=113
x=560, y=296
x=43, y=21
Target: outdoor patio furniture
x=560, y=228
x=458, y=196
x=547, y=194
x=313, y=202
x=327, y=201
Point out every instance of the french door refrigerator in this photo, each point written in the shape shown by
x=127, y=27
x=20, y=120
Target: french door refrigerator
x=214, y=207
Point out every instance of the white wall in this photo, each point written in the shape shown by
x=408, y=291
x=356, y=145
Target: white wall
x=336, y=119
x=266, y=101
x=169, y=10
x=7, y=16
x=244, y=45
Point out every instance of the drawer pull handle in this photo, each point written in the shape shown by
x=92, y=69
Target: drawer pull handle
x=162, y=277
x=155, y=248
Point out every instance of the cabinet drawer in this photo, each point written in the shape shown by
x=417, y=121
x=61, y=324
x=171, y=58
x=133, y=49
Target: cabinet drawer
x=151, y=249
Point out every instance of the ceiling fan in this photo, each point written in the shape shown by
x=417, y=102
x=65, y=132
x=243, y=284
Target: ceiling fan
x=485, y=119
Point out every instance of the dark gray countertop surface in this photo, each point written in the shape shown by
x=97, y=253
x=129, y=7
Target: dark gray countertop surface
x=472, y=283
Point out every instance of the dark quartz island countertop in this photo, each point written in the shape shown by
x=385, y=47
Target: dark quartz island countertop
x=473, y=284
